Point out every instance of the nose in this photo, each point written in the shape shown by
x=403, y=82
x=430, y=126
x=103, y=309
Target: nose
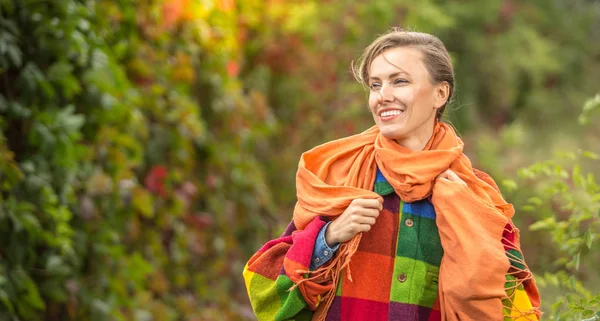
x=385, y=93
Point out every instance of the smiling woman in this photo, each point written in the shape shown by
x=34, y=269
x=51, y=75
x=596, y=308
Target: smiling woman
x=394, y=223
x=403, y=99
x=408, y=72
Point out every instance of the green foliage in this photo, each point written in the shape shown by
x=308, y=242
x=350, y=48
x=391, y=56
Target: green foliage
x=562, y=194
x=591, y=106
x=116, y=201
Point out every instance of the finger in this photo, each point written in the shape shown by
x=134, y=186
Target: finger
x=364, y=216
x=368, y=203
x=368, y=212
x=452, y=176
x=444, y=174
x=365, y=220
x=364, y=228
x=455, y=178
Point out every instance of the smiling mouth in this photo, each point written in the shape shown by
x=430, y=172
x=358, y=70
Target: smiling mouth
x=389, y=114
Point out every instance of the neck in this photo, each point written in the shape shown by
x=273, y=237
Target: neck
x=418, y=140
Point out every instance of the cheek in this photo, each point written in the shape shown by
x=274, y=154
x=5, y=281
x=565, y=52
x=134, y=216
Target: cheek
x=407, y=94
x=373, y=102
x=423, y=95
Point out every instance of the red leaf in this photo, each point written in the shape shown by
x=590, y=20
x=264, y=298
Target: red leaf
x=173, y=11
x=233, y=68
x=199, y=221
x=155, y=180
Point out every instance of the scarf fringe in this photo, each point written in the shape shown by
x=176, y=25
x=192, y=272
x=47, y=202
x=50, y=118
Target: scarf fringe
x=331, y=272
x=347, y=250
x=521, y=275
x=532, y=314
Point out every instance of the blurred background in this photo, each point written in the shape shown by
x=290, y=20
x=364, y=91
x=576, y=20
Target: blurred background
x=149, y=148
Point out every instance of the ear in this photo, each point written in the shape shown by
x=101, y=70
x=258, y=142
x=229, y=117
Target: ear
x=441, y=94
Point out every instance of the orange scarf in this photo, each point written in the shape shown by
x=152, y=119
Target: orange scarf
x=470, y=218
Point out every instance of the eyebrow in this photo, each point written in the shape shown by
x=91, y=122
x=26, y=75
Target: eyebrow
x=391, y=75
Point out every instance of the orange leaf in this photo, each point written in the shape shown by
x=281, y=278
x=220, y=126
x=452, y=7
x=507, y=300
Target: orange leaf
x=226, y=5
x=173, y=11
x=233, y=68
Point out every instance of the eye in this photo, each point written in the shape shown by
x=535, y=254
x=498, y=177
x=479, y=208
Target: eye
x=375, y=85
x=400, y=81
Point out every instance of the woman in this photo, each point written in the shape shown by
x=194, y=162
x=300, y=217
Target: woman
x=394, y=223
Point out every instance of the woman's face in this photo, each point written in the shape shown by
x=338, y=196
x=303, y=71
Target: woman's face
x=402, y=98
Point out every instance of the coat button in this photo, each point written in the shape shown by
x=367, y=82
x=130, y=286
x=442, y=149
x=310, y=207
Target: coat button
x=409, y=222
x=326, y=252
x=402, y=277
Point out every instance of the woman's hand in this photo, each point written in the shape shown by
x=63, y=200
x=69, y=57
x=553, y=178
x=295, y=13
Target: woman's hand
x=451, y=176
x=357, y=218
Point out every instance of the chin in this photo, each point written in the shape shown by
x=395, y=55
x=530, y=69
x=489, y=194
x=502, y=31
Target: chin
x=391, y=134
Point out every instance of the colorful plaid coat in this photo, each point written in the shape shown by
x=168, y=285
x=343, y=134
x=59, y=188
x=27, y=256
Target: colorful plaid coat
x=395, y=270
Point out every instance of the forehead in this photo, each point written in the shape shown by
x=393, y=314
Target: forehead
x=400, y=59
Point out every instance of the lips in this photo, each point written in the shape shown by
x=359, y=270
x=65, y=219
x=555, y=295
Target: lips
x=387, y=114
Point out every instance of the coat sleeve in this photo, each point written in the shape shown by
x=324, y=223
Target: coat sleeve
x=522, y=300
x=270, y=273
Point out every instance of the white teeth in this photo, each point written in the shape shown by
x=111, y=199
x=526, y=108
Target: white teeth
x=391, y=113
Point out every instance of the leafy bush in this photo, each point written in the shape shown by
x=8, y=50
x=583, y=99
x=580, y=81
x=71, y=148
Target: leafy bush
x=117, y=202
x=566, y=202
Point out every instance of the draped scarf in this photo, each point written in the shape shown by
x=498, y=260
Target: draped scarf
x=470, y=219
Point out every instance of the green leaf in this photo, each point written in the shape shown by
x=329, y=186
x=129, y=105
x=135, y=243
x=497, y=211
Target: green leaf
x=592, y=103
x=572, y=281
x=509, y=184
x=576, y=261
x=7, y=23
x=31, y=296
x=56, y=266
x=142, y=202
x=15, y=55
x=535, y=201
x=590, y=155
x=576, y=174
x=543, y=224
x=588, y=239
x=552, y=279
x=574, y=242
x=5, y=299
x=30, y=222
x=589, y=106
x=557, y=305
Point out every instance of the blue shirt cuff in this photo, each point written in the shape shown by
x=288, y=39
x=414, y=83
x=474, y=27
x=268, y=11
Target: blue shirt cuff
x=322, y=252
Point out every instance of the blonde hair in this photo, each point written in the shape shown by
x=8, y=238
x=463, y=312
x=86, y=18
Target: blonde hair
x=435, y=57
